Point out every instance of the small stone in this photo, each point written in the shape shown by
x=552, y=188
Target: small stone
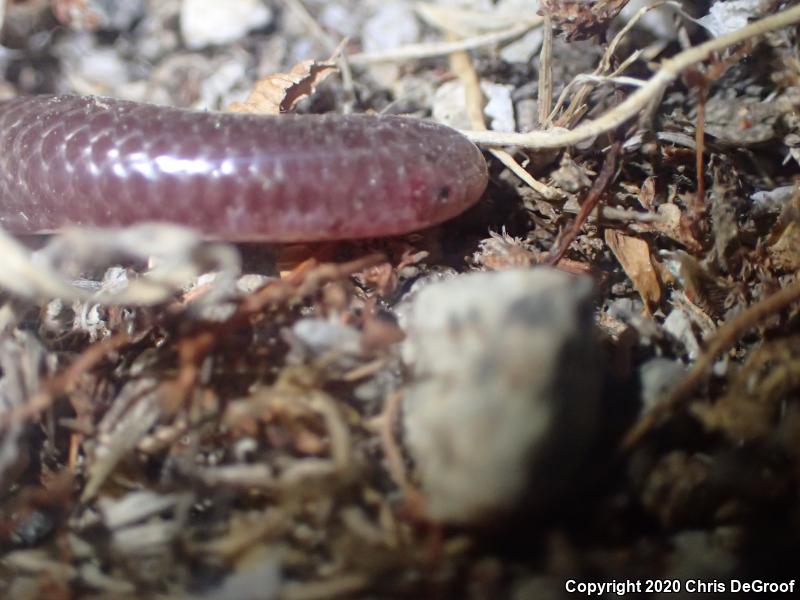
x=311, y=338
x=724, y=17
x=210, y=22
x=245, y=448
x=393, y=25
x=772, y=201
x=524, y=49
x=335, y=17
x=657, y=377
x=679, y=326
x=320, y=336
x=104, y=68
x=449, y=106
x=506, y=390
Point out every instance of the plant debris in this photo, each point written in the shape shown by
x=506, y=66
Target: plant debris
x=182, y=417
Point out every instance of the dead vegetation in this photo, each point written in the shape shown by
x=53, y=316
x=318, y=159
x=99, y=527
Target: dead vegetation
x=175, y=428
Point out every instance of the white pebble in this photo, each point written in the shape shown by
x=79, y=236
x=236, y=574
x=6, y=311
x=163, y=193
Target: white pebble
x=449, y=106
x=507, y=381
x=211, y=22
x=393, y=25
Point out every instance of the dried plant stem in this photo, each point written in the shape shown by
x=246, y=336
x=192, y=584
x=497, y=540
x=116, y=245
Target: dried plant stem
x=577, y=103
x=386, y=423
x=546, y=73
x=461, y=65
x=726, y=337
x=415, y=51
x=699, y=140
x=65, y=382
x=641, y=98
x=589, y=203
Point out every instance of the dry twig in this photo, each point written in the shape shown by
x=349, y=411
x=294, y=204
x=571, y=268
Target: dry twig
x=65, y=381
x=589, y=203
x=726, y=337
x=641, y=98
x=462, y=67
x=416, y=51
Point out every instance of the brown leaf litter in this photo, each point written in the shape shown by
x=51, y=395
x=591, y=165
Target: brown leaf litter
x=220, y=420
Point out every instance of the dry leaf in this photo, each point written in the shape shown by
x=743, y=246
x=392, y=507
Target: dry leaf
x=280, y=92
x=581, y=19
x=755, y=398
x=784, y=240
x=647, y=193
x=634, y=256
x=786, y=251
x=705, y=291
x=502, y=251
x=672, y=225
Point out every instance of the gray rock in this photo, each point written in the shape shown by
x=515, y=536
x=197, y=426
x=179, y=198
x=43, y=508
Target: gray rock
x=657, y=377
x=506, y=390
x=393, y=24
x=209, y=22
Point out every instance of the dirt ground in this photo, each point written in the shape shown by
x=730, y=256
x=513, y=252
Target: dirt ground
x=248, y=421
